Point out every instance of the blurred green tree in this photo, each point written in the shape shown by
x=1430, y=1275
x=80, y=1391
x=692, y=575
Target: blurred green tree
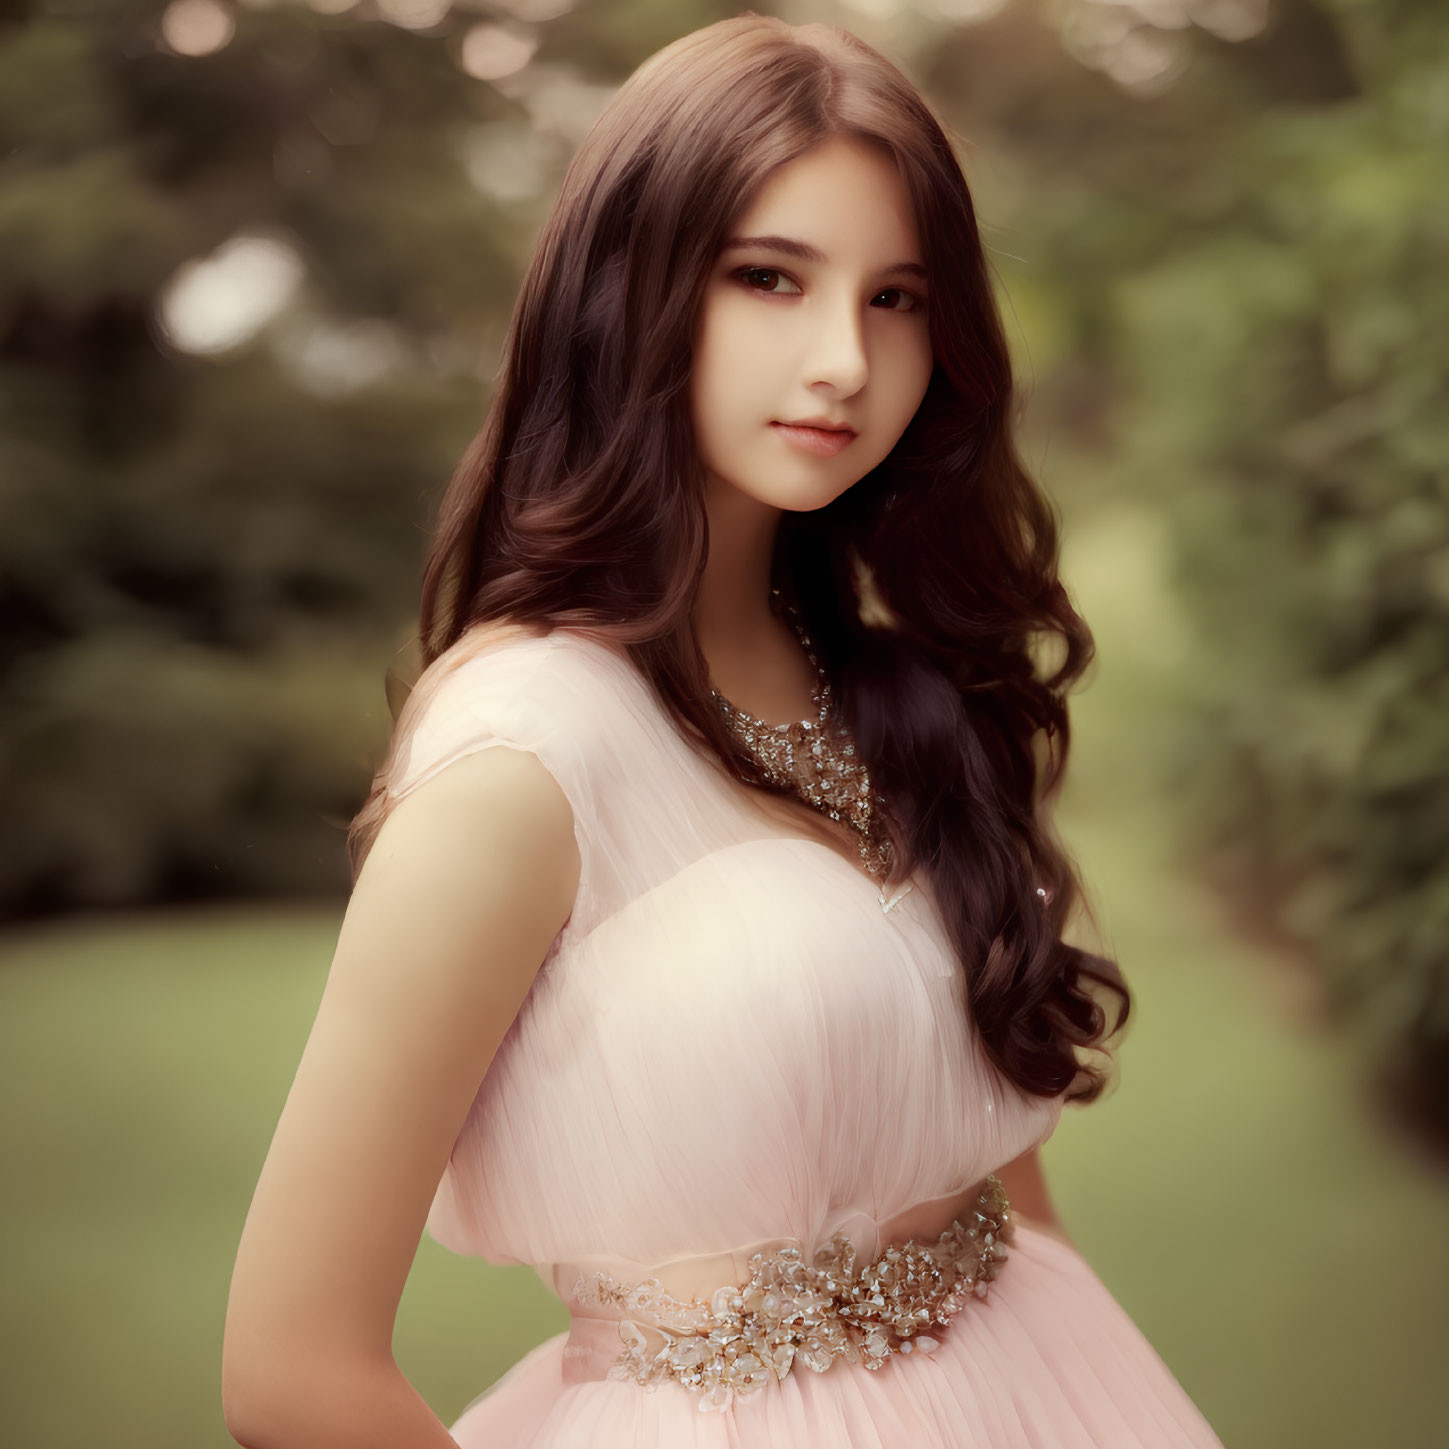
x=211, y=504
x=1244, y=236
x=1289, y=369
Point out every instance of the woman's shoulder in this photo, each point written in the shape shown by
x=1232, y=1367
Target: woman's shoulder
x=555, y=678
x=508, y=650
x=553, y=692
x=530, y=639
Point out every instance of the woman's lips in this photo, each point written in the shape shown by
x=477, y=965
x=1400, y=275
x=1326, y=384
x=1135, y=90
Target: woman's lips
x=823, y=442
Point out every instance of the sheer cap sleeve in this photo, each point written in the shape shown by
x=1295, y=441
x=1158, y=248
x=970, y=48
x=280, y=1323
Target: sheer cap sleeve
x=508, y=687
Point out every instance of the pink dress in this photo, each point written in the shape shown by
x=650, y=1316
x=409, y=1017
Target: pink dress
x=736, y=1042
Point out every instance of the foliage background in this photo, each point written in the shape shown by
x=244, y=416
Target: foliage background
x=255, y=264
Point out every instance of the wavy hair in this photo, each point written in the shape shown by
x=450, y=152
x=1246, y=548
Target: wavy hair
x=930, y=586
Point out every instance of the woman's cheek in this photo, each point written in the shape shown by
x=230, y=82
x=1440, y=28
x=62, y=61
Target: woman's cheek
x=743, y=342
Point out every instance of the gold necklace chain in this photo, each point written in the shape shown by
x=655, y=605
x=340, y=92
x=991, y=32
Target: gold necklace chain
x=816, y=759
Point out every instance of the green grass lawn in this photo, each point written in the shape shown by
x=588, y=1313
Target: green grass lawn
x=1285, y=1254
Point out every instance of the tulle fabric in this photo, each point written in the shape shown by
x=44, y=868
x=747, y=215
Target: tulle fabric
x=730, y=1043
x=1048, y=1361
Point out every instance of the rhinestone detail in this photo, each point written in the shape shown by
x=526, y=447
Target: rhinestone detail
x=816, y=760
x=791, y=1312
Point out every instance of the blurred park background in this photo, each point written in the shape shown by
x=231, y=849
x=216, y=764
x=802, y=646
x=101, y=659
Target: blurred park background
x=256, y=260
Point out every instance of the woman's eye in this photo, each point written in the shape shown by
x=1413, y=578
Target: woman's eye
x=751, y=276
x=774, y=283
x=911, y=302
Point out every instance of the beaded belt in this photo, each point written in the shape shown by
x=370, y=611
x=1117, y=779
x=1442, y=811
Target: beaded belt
x=793, y=1312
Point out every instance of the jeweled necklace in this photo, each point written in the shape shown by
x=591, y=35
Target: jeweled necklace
x=816, y=759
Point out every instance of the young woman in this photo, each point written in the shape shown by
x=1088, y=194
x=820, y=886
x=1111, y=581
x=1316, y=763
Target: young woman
x=706, y=947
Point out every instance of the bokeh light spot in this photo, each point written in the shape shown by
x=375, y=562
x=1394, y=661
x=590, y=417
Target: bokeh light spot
x=197, y=27
x=217, y=302
x=491, y=52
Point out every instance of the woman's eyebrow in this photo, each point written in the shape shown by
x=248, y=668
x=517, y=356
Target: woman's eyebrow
x=807, y=253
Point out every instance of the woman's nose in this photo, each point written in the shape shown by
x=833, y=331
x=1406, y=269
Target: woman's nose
x=838, y=353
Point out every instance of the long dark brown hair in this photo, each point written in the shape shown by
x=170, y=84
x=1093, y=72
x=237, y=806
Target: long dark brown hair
x=930, y=586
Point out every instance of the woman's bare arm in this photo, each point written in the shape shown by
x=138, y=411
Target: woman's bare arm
x=466, y=886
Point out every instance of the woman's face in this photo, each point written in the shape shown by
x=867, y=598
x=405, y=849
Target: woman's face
x=815, y=311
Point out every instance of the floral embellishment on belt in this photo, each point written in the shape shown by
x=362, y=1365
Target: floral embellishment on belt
x=793, y=1312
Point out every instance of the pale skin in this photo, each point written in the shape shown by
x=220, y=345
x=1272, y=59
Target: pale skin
x=474, y=873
